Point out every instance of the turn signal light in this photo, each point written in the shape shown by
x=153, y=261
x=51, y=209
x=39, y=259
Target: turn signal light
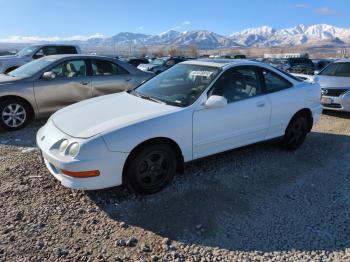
x=82, y=174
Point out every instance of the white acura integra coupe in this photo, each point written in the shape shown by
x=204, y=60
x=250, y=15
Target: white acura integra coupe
x=195, y=109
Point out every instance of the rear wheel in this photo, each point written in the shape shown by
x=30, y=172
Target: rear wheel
x=296, y=133
x=14, y=114
x=152, y=169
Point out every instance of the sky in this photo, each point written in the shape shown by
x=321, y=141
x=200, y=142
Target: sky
x=81, y=19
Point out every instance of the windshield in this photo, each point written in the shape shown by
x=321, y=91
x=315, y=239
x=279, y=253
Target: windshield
x=28, y=51
x=158, y=61
x=31, y=68
x=180, y=85
x=336, y=69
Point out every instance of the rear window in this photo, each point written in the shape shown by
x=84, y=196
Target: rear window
x=67, y=50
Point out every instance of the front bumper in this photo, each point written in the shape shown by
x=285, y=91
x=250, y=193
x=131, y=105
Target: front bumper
x=337, y=103
x=109, y=164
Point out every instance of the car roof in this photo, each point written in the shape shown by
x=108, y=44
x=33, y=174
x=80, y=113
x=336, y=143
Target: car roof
x=221, y=63
x=78, y=56
x=53, y=45
x=344, y=60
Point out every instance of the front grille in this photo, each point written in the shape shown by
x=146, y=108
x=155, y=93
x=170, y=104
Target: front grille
x=333, y=92
x=332, y=105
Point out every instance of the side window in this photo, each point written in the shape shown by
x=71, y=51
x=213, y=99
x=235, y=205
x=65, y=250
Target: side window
x=50, y=50
x=70, y=69
x=237, y=84
x=67, y=50
x=274, y=82
x=106, y=68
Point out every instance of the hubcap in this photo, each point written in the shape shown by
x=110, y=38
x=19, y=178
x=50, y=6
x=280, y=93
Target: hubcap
x=14, y=115
x=153, y=169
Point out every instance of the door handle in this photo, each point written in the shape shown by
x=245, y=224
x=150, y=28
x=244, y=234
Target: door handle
x=127, y=79
x=84, y=83
x=261, y=104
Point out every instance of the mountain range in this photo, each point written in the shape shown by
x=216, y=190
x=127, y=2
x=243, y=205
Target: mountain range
x=265, y=36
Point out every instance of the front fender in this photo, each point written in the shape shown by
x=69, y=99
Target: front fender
x=176, y=126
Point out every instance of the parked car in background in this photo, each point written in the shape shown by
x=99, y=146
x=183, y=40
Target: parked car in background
x=43, y=86
x=195, y=109
x=30, y=53
x=335, y=85
x=135, y=61
x=160, y=64
x=300, y=66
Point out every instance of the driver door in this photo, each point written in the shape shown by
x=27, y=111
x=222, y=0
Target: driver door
x=71, y=84
x=244, y=120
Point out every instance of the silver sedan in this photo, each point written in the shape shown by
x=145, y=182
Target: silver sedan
x=43, y=86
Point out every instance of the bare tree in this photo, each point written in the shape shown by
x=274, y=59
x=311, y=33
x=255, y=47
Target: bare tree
x=173, y=51
x=192, y=51
x=143, y=51
x=159, y=52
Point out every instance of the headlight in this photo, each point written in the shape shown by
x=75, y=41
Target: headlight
x=63, y=146
x=73, y=149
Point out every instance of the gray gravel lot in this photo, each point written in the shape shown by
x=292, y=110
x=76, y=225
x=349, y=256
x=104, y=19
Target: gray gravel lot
x=258, y=203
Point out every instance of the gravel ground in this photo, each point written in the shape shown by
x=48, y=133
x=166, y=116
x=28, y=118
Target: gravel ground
x=258, y=203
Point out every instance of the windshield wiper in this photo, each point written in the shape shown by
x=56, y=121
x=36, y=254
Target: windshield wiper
x=146, y=97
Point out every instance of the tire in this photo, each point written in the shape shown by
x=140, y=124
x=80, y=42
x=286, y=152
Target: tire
x=295, y=133
x=151, y=169
x=14, y=114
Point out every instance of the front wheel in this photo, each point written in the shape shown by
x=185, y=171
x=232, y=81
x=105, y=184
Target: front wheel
x=295, y=133
x=152, y=169
x=14, y=114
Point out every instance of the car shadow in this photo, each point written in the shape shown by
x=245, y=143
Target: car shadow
x=339, y=114
x=257, y=198
x=21, y=138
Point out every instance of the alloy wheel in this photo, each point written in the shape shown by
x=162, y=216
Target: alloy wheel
x=14, y=115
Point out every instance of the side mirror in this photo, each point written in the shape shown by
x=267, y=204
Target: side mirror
x=316, y=72
x=49, y=76
x=216, y=102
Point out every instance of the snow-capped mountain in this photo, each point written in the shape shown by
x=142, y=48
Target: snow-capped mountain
x=264, y=36
x=316, y=34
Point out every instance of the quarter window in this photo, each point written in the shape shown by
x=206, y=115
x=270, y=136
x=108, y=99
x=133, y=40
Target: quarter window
x=70, y=69
x=106, y=68
x=274, y=82
x=237, y=84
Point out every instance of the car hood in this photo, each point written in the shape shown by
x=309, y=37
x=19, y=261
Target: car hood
x=333, y=81
x=9, y=57
x=147, y=66
x=5, y=79
x=100, y=115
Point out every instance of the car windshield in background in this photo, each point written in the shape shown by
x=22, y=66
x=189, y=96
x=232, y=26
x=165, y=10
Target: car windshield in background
x=28, y=51
x=31, y=68
x=158, y=62
x=336, y=69
x=181, y=85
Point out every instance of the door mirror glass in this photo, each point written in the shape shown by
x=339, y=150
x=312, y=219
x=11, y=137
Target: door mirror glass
x=49, y=75
x=216, y=102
